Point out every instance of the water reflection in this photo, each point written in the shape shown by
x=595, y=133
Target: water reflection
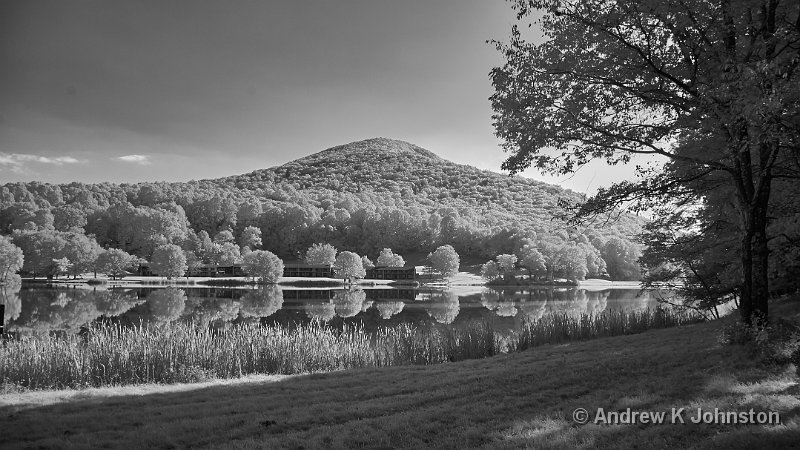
x=262, y=302
x=41, y=309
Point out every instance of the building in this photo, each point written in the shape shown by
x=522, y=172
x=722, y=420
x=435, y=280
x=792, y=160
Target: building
x=392, y=273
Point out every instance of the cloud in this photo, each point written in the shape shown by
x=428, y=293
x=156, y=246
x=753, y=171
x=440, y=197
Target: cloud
x=16, y=161
x=137, y=159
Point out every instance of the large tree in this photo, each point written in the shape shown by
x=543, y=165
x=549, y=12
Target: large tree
x=710, y=86
x=168, y=261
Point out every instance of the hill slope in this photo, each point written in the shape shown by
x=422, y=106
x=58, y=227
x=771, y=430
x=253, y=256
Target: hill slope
x=361, y=196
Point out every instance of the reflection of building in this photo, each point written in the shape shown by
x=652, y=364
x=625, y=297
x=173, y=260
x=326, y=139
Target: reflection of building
x=307, y=294
x=391, y=273
x=391, y=294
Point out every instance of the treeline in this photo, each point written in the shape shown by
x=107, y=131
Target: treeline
x=362, y=197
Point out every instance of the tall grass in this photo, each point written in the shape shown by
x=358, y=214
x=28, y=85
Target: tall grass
x=561, y=327
x=111, y=354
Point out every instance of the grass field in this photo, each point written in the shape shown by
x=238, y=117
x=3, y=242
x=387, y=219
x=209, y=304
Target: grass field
x=518, y=400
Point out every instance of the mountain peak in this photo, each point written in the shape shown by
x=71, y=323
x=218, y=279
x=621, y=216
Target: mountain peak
x=377, y=145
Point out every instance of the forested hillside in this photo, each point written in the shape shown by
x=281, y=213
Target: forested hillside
x=362, y=197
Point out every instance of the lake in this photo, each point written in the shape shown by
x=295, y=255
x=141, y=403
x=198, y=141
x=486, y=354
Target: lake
x=37, y=309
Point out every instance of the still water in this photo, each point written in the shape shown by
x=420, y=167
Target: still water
x=35, y=310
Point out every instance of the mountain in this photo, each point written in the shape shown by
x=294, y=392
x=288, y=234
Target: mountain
x=361, y=196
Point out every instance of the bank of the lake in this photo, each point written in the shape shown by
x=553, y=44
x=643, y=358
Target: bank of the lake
x=514, y=400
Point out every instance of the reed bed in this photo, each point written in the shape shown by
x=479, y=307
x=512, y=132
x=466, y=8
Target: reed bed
x=562, y=327
x=111, y=354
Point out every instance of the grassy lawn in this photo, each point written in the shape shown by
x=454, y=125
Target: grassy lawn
x=520, y=400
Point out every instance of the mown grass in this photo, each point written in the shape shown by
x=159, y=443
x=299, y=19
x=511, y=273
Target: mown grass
x=111, y=354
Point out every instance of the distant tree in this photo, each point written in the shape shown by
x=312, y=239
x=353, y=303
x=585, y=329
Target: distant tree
x=389, y=259
x=114, y=262
x=506, y=263
x=264, y=265
x=40, y=249
x=444, y=261
x=532, y=260
x=321, y=254
x=69, y=218
x=490, y=271
x=225, y=254
x=168, y=261
x=192, y=262
x=621, y=257
x=223, y=237
x=251, y=237
x=11, y=259
x=367, y=263
x=82, y=251
x=348, y=266
x=60, y=266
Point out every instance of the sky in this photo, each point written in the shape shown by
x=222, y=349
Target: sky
x=152, y=90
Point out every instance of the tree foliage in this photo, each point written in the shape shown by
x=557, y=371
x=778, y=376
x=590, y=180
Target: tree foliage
x=324, y=254
x=348, y=266
x=168, y=261
x=264, y=265
x=389, y=259
x=711, y=87
x=444, y=261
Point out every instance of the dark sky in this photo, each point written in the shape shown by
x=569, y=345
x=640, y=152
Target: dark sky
x=125, y=91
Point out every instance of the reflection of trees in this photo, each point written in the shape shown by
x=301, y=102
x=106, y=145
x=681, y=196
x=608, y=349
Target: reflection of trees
x=504, y=307
x=262, y=302
x=9, y=296
x=389, y=308
x=506, y=310
x=490, y=299
x=166, y=305
x=321, y=312
x=348, y=303
x=444, y=308
x=67, y=309
x=597, y=301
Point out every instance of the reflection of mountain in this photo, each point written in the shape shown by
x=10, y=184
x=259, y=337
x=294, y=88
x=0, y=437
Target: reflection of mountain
x=262, y=302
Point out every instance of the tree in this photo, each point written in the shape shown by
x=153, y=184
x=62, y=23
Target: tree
x=223, y=237
x=82, y=251
x=348, y=266
x=11, y=259
x=114, y=262
x=444, y=261
x=264, y=265
x=490, y=270
x=506, y=264
x=709, y=86
x=168, y=261
x=532, y=260
x=321, y=254
x=251, y=237
x=60, y=266
x=367, y=263
x=389, y=259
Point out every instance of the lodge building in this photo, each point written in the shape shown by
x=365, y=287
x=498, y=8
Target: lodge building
x=293, y=270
